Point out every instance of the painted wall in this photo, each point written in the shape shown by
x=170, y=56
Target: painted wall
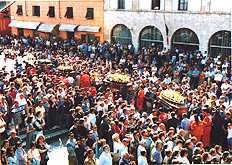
x=79, y=12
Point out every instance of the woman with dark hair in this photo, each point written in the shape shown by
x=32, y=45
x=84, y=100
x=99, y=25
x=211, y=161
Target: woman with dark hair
x=197, y=128
x=11, y=156
x=207, y=121
x=33, y=155
x=5, y=145
x=43, y=149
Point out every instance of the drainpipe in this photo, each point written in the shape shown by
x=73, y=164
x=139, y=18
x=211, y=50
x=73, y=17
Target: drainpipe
x=25, y=4
x=59, y=10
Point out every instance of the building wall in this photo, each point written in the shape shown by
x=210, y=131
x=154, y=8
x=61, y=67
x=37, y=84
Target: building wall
x=79, y=12
x=172, y=5
x=200, y=20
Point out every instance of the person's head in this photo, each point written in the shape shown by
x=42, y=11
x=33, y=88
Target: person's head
x=125, y=141
x=197, y=159
x=102, y=142
x=173, y=114
x=10, y=151
x=13, y=133
x=194, y=140
x=126, y=156
x=215, y=160
x=181, y=132
x=90, y=153
x=225, y=155
x=143, y=153
x=184, y=115
x=184, y=152
x=5, y=144
x=158, y=145
x=106, y=148
x=39, y=114
x=179, y=143
x=115, y=137
x=197, y=151
x=213, y=152
x=19, y=144
x=168, y=152
x=40, y=139
x=32, y=146
x=200, y=145
x=71, y=135
x=189, y=144
x=205, y=157
x=218, y=148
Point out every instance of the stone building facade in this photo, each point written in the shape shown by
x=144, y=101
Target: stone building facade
x=200, y=20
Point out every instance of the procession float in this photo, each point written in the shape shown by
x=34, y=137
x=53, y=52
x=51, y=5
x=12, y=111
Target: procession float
x=173, y=99
x=117, y=81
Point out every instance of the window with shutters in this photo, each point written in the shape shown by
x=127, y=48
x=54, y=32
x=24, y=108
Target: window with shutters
x=155, y=5
x=51, y=11
x=69, y=12
x=121, y=4
x=90, y=13
x=36, y=11
x=183, y=5
x=19, y=10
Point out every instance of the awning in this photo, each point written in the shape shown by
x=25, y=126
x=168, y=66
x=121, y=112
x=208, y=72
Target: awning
x=94, y=29
x=46, y=28
x=24, y=25
x=67, y=27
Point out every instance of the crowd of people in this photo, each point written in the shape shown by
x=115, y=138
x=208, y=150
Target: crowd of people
x=62, y=85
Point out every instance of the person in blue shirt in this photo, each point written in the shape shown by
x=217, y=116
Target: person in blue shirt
x=156, y=155
x=185, y=123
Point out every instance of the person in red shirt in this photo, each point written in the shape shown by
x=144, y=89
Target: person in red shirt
x=85, y=81
x=197, y=128
x=207, y=121
x=140, y=99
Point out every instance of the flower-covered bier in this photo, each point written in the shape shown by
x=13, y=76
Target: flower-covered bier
x=119, y=78
x=172, y=96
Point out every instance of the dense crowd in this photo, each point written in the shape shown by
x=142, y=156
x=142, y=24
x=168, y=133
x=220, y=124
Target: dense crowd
x=61, y=84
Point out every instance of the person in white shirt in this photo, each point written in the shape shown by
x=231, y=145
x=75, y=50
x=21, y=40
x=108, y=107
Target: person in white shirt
x=225, y=87
x=105, y=158
x=34, y=155
x=2, y=126
x=229, y=135
x=142, y=159
x=141, y=147
x=183, y=156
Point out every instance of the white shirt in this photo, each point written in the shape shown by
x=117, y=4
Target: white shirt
x=183, y=160
x=229, y=133
x=218, y=77
x=142, y=160
x=105, y=159
x=2, y=123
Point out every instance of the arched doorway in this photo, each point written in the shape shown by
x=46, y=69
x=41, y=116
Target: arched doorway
x=120, y=33
x=185, y=40
x=151, y=36
x=220, y=44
